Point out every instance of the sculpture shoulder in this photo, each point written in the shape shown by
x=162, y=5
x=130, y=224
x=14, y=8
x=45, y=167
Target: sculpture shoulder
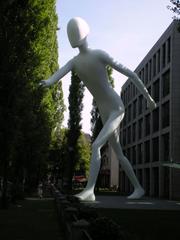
x=99, y=52
x=102, y=55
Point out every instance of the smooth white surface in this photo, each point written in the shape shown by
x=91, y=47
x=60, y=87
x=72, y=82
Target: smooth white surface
x=90, y=65
x=77, y=31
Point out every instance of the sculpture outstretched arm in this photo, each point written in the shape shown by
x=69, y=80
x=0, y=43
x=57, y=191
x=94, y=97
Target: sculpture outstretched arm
x=133, y=76
x=58, y=74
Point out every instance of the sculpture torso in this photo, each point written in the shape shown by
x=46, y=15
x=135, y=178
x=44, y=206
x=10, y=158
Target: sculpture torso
x=90, y=66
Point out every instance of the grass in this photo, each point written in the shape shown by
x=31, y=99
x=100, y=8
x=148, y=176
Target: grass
x=32, y=219
x=146, y=224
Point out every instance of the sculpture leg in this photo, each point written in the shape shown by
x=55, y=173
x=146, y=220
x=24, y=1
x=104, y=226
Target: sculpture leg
x=109, y=127
x=127, y=167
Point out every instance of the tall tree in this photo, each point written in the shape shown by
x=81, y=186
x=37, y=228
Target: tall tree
x=84, y=153
x=175, y=8
x=28, y=48
x=74, y=124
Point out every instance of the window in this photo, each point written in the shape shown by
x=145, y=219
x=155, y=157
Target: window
x=140, y=104
x=147, y=124
x=134, y=108
x=142, y=74
x=129, y=113
x=125, y=98
x=129, y=93
x=155, y=146
x=147, y=181
x=140, y=176
x=154, y=65
x=165, y=83
x=133, y=90
x=165, y=115
x=140, y=153
x=150, y=70
x=156, y=90
x=156, y=120
x=121, y=138
x=134, y=155
x=124, y=137
x=129, y=134
x=165, y=151
x=129, y=154
x=166, y=181
x=140, y=128
x=164, y=55
x=155, y=172
x=158, y=61
x=146, y=74
x=149, y=90
x=169, y=50
x=122, y=96
x=147, y=151
x=134, y=132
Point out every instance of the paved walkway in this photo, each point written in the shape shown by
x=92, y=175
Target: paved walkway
x=31, y=219
x=144, y=203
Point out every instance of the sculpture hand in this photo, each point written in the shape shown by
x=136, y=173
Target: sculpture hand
x=45, y=83
x=151, y=104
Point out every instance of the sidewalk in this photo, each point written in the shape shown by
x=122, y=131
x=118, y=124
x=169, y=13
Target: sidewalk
x=120, y=202
x=32, y=219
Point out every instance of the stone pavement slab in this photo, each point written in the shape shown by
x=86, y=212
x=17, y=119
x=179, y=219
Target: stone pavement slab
x=124, y=203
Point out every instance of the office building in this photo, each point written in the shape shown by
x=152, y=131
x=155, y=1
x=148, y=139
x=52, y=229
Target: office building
x=152, y=138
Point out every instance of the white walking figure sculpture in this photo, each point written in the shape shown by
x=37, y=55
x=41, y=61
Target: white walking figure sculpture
x=90, y=66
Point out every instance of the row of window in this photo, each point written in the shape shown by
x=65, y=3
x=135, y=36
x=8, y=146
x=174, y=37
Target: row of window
x=149, y=179
x=149, y=151
x=147, y=125
x=150, y=70
x=138, y=106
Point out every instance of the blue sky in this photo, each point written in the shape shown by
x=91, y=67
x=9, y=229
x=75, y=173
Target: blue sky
x=125, y=29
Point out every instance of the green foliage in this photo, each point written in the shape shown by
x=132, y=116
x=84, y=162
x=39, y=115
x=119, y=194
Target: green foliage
x=28, y=47
x=84, y=153
x=74, y=124
x=175, y=8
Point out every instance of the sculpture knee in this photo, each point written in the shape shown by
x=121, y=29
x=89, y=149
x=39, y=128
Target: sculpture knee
x=122, y=158
x=96, y=147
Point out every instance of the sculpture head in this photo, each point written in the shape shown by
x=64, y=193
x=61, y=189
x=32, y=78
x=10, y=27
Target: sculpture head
x=77, y=30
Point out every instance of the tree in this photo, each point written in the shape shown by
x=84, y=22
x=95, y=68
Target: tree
x=175, y=8
x=28, y=48
x=74, y=124
x=84, y=153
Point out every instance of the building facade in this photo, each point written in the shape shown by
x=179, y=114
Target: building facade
x=109, y=172
x=152, y=138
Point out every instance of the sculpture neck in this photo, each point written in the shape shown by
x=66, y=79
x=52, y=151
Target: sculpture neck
x=84, y=47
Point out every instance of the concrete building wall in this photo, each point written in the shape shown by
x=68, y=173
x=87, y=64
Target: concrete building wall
x=175, y=113
x=150, y=138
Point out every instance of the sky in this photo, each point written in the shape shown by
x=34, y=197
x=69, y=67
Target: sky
x=127, y=30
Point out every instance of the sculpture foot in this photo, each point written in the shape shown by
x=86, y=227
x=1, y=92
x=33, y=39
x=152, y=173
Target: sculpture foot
x=137, y=194
x=86, y=196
